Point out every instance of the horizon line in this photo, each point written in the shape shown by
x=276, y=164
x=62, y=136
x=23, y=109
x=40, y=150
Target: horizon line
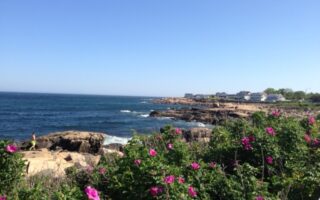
x=79, y=94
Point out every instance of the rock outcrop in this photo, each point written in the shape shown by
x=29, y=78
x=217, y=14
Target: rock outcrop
x=197, y=134
x=74, y=141
x=242, y=108
x=54, y=163
x=210, y=116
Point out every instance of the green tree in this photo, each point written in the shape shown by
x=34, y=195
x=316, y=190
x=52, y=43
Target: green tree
x=299, y=95
x=315, y=98
x=271, y=91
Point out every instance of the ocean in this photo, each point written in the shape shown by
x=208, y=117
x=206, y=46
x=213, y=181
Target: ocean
x=117, y=116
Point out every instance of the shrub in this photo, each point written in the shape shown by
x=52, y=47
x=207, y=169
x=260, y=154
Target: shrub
x=268, y=157
x=12, y=167
x=68, y=192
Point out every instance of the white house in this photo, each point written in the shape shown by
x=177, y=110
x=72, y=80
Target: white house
x=258, y=97
x=275, y=98
x=243, y=96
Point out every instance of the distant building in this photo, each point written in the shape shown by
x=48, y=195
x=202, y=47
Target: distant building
x=275, y=98
x=222, y=95
x=188, y=95
x=201, y=96
x=258, y=97
x=232, y=96
x=243, y=96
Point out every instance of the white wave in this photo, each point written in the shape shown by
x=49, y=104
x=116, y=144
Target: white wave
x=199, y=124
x=125, y=111
x=143, y=102
x=109, y=139
x=144, y=115
x=164, y=118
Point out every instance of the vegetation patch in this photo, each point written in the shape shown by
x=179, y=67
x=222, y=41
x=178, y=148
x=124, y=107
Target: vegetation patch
x=267, y=157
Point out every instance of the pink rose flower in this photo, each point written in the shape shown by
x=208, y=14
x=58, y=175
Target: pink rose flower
x=181, y=180
x=3, y=198
x=270, y=131
x=155, y=191
x=170, y=146
x=213, y=164
x=195, y=166
x=152, y=152
x=259, y=198
x=316, y=142
x=311, y=120
x=269, y=160
x=137, y=162
x=92, y=193
x=276, y=113
x=178, y=131
x=307, y=138
x=11, y=148
x=169, y=179
x=246, y=143
x=192, y=192
x=252, y=138
x=102, y=170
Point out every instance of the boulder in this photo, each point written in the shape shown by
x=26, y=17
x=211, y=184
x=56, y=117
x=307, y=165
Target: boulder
x=54, y=163
x=77, y=141
x=197, y=134
x=105, y=151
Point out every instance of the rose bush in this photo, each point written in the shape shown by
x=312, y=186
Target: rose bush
x=265, y=158
x=11, y=167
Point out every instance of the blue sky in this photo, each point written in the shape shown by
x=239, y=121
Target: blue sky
x=159, y=47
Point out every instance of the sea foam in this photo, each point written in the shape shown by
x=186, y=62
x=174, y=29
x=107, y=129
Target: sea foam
x=144, y=115
x=125, y=111
x=109, y=139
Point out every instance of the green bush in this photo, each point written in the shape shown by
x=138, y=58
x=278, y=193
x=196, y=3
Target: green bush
x=268, y=157
x=12, y=167
x=68, y=192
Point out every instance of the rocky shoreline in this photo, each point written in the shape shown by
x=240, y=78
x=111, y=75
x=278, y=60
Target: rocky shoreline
x=58, y=151
x=210, y=112
x=216, y=112
x=208, y=116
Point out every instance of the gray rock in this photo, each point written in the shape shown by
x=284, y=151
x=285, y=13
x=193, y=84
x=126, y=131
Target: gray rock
x=77, y=141
x=197, y=134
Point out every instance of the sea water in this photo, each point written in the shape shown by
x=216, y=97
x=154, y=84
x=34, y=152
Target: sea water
x=117, y=116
